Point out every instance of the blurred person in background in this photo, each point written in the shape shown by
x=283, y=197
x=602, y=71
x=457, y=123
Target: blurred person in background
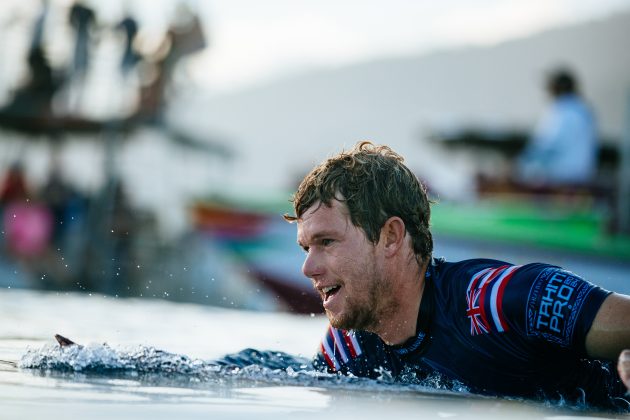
x=13, y=185
x=27, y=223
x=563, y=149
x=129, y=28
x=82, y=19
x=33, y=98
x=37, y=40
x=56, y=194
x=184, y=38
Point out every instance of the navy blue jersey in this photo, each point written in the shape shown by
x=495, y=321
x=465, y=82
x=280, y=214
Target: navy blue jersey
x=496, y=328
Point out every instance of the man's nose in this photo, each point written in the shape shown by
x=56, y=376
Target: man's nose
x=312, y=266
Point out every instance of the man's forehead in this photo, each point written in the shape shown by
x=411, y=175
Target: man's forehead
x=319, y=209
x=321, y=216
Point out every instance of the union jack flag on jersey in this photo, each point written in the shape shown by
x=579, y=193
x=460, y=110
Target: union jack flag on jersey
x=339, y=347
x=484, y=299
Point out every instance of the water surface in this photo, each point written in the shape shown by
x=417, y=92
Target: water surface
x=158, y=362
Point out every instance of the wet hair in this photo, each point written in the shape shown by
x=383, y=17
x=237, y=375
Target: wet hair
x=375, y=185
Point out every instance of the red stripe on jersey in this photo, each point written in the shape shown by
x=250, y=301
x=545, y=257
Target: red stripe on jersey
x=329, y=361
x=336, y=335
x=484, y=288
x=348, y=340
x=473, y=283
x=505, y=281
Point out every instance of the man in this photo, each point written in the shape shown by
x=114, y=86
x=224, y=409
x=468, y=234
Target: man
x=563, y=149
x=533, y=330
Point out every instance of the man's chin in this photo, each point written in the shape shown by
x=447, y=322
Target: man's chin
x=338, y=321
x=345, y=322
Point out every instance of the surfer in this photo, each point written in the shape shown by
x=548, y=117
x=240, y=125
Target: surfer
x=534, y=330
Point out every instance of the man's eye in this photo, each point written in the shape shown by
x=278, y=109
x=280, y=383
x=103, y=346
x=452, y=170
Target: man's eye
x=326, y=242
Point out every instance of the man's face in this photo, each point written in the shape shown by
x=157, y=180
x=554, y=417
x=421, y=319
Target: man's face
x=345, y=267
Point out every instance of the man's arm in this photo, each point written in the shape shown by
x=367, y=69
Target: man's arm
x=610, y=331
x=609, y=336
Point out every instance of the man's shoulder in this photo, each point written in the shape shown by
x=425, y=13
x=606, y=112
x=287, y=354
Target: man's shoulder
x=462, y=277
x=474, y=266
x=472, y=263
x=465, y=269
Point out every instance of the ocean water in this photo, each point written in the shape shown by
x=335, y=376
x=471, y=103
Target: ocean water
x=143, y=358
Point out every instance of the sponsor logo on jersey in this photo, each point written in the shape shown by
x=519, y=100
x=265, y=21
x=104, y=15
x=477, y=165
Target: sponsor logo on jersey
x=553, y=305
x=339, y=347
x=484, y=299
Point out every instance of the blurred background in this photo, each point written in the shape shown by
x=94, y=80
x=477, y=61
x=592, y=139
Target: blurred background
x=150, y=148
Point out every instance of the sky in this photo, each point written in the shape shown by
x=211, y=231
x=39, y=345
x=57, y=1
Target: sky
x=253, y=41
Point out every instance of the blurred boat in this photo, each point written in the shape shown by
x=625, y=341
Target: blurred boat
x=263, y=242
x=554, y=225
x=576, y=218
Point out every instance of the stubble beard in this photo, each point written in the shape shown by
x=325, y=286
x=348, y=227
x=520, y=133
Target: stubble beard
x=367, y=314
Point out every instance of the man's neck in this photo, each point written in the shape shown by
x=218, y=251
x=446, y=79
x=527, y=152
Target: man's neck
x=398, y=326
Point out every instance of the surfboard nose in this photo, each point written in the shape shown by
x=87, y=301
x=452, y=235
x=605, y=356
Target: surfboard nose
x=63, y=341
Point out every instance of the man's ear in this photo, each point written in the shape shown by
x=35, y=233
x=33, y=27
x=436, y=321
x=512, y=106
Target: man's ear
x=393, y=235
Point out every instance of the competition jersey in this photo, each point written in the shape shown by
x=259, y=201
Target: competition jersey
x=496, y=328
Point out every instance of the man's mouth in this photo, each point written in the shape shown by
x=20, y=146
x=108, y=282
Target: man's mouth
x=329, y=291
